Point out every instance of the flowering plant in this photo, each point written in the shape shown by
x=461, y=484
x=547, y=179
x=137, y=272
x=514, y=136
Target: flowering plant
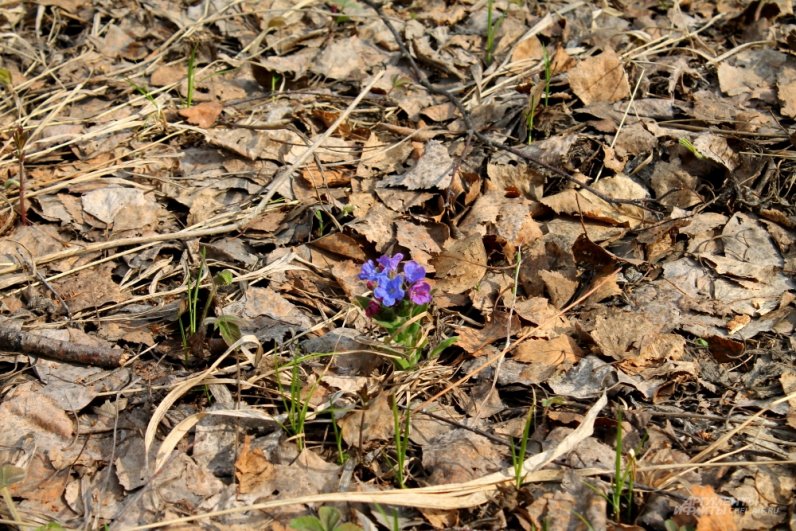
x=399, y=300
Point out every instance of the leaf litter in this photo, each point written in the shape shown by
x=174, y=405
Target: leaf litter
x=601, y=198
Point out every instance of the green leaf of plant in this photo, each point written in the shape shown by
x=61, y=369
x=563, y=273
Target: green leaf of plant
x=436, y=351
x=307, y=523
x=49, y=526
x=329, y=517
x=224, y=278
x=228, y=328
x=5, y=77
x=10, y=474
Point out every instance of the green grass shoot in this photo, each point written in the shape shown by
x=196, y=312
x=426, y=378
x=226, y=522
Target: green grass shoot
x=401, y=425
x=548, y=73
x=191, y=78
x=492, y=27
x=518, y=454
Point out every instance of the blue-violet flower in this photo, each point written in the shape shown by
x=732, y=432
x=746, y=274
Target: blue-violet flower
x=414, y=272
x=369, y=272
x=391, y=291
x=390, y=263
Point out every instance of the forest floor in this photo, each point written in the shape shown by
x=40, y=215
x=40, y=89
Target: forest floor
x=599, y=198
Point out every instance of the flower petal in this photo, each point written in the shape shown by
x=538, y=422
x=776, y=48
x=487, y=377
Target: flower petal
x=391, y=291
x=414, y=272
x=390, y=263
x=369, y=271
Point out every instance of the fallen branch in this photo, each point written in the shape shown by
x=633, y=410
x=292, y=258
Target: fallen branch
x=22, y=342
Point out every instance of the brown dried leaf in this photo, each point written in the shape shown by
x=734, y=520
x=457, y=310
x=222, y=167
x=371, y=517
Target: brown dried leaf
x=654, y=352
x=788, y=382
x=375, y=423
x=278, y=144
x=584, y=202
x=376, y=225
x=90, y=289
x=505, y=173
x=716, y=148
x=423, y=241
x=340, y=244
x=434, y=169
x=204, y=114
x=621, y=334
x=461, y=455
x=715, y=513
x=530, y=48
x=753, y=72
x=600, y=78
x=558, y=287
x=116, y=40
x=121, y=208
x=378, y=156
x=440, y=113
x=539, y=311
x=786, y=90
x=166, y=75
x=266, y=301
x=548, y=356
x=252, y=468
x=673, y=185
x=473, y=340
x=348, y=59
x=461, y=266
x=440, y=518
x=26, y=410
x=328, y=178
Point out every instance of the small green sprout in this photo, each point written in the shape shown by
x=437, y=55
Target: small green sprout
x=690, y=147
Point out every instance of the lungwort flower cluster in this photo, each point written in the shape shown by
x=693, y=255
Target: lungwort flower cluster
x=399, y=305
x=391, y=283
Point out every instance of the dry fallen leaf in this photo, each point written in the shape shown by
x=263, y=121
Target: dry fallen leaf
x=714, y=513
x=204, y=114
x=434, y=169
x=375, y=423
x=600, y=78
x=252, y=468
x=461, y=265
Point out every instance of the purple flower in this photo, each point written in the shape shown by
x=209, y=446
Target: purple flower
x=414, y=272
x=390, y=291
x=369, y=272
x=420, y=292
x=390, y=263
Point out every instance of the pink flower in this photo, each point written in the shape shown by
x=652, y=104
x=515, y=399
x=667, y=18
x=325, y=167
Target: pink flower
x=420, y=292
